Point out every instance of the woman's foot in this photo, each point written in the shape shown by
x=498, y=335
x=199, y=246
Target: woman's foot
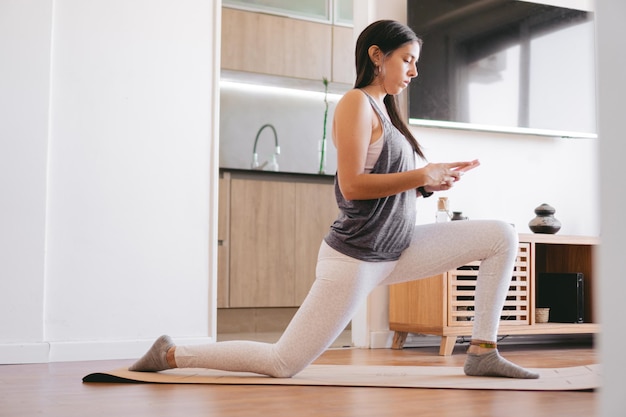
x=156, y=358
x=492, y=364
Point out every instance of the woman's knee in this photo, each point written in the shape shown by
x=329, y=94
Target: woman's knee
x=288, y=359
x=506, y=235
x=286, y=370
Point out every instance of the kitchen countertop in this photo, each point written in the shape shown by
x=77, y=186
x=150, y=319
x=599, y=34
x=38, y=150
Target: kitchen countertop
x=279, y=175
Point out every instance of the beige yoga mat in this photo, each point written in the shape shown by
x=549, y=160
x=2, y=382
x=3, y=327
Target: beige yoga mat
x=551, y=379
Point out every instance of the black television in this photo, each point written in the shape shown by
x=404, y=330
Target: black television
x=504, y=65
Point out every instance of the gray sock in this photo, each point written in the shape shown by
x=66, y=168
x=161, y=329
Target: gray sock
x=492, y=364
x=155, y=359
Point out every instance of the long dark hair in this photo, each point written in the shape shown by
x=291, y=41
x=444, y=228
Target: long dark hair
x=388, y=35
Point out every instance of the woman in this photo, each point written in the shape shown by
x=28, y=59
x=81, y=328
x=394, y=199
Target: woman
x=375, y=241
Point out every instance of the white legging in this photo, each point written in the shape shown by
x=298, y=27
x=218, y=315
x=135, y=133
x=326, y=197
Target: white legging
x=343, y=283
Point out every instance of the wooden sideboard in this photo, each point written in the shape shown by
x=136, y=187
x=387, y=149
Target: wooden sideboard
x=443, y=305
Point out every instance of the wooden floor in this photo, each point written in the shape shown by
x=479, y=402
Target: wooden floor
x=56, y=389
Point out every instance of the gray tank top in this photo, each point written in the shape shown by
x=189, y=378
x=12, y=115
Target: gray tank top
x=379, y=229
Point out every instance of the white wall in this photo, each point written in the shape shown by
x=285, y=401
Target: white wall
x=517, y=174
x=25, y=28
x=128, y=128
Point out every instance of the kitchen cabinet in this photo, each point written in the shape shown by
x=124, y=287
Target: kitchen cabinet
x=443, y=305
x=343, y=55
x=316, y=209
x=260, y=43
x=272, y=225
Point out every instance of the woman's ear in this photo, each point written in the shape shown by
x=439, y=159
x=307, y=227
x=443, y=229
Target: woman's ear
x=375, y=54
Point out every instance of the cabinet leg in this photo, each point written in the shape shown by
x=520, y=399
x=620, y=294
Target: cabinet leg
x=398, y=340
x=447, y=345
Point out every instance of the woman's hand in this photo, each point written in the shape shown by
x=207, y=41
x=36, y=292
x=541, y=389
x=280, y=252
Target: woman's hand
x=442, y=176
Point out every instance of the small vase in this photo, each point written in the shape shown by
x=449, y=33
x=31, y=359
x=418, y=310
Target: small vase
x=458, y=215
x=545, y=222
x=322, y=157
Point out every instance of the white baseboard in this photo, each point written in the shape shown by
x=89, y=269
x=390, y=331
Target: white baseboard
x=380, y=339
x=104, y=350
x=17, y=353
x=82, y=350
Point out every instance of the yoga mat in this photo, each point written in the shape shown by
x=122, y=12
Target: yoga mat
x=551, y=379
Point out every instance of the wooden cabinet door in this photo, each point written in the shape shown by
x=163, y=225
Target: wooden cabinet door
x=262, y=240
x=223, y=241
x=261, y=43
x=343, y=55
x=316, y=209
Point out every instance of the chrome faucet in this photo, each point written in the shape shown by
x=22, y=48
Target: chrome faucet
x=273, y=165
